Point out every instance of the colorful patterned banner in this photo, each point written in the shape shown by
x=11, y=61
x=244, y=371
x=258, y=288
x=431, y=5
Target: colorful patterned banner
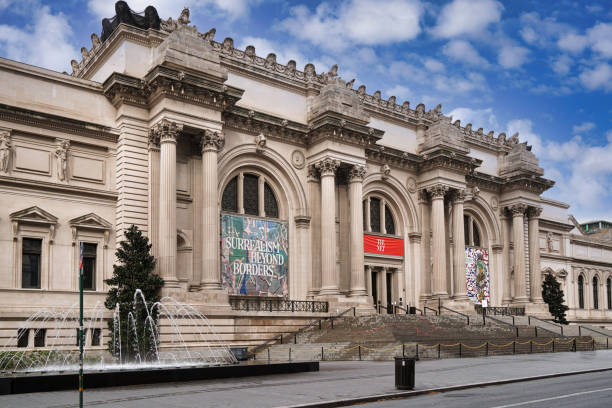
x=254, y=256
x=477, y=274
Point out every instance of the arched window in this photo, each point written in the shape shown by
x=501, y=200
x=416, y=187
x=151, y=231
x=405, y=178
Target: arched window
x=609, y=292
x=471, y=231
x=595, y=293
x=378, y=216
x=580, y=292
x=250, y=194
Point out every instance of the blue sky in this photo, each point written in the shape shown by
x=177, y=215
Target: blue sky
x=542, y=68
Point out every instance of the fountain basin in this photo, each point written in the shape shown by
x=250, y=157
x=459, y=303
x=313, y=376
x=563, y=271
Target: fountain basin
x=37, y=382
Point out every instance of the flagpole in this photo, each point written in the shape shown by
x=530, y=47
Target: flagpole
x=81, y=327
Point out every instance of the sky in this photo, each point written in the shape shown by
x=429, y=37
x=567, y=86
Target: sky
x=540, y=68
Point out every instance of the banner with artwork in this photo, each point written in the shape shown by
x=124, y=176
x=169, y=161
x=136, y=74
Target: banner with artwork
x=477, y=275
x=254, y=256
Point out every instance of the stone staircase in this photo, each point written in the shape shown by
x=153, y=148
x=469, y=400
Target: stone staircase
x=381, y=337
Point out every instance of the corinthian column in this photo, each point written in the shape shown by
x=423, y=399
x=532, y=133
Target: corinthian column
x=460, y=291
x=356, y=174
x=437, y=193
x=330, y=278
x=167, y=132
x=211, y=143
x=520, y=284
x=534, y=254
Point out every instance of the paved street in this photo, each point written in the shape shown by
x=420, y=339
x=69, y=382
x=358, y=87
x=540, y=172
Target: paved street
x=584, y=390
x=336, y=380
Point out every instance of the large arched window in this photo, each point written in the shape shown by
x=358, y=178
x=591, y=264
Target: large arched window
x=378, y=216
x=250, y=194
x=609, y=292
x=580, y=292
x=595, y=293
x=471, y=232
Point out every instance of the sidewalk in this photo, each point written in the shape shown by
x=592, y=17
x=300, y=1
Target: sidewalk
x=336, y=380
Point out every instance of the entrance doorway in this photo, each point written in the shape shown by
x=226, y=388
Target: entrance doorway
x=389, y=277
x=375, y=287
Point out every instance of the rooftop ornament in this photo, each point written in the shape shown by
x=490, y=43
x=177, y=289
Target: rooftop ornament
x=123, y=14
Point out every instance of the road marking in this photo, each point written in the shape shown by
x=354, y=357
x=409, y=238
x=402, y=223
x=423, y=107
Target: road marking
x=518, y=404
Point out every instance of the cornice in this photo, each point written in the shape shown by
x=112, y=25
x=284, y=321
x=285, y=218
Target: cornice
x=57, y=123
x=527, y=182
x=59, y=188
x=485, y=181
x=163, y=82
x=557, y=225
x=341, y=129
x=447, y=159
x=593, y=242
x=274, y=127
x=393, y=157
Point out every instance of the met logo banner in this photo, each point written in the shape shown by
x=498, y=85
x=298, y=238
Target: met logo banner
x=376, y=244
x=254, y=256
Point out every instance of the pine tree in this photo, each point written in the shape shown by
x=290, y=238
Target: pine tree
x=134, y=271
x=553, y=296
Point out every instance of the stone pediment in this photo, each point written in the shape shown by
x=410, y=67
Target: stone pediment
x=34, y=215
x=91, y=221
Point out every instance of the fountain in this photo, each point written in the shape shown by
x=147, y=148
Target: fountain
x=156, y=335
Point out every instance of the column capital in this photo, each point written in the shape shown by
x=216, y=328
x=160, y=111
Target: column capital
x=212, y=140
x=437, y=191
x=458, y=195
x=328, y=166
x=164, y=131
x=518, y=210
x=302, y=221
x=313, y=173
x=357, y=173
x=534, y=212
x=422, y=196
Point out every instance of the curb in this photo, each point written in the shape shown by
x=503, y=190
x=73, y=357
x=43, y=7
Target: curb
x=408, y=394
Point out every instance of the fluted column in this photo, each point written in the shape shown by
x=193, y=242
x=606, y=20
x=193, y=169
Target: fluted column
x=437, y=193
x=505, y=231
x=211, y=142
x=460, y=289
x=329, y=274
x=520, y=286
x=356, y=174
x=167, y=132
x=314, y=190
x=425, y=279
x=534, y=254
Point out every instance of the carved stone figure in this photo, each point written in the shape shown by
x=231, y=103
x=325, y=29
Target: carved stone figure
x=123, y=14
x=250, y=51
x=549, y=242
x=350, y=83
x=61, y=154
x=5, y=150
x=309, y=71
x=210, y=35
x=386, y=171
x=95, y=41
x=184, y=17
x=260, y=142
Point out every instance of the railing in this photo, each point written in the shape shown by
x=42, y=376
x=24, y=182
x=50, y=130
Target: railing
x=406, y=310
x=426, y=308
x=455, y=311
x=484, y=317
x=595, y=331
x=559, y=326
x=278, y=305
x=501, y=311
x=318, y=322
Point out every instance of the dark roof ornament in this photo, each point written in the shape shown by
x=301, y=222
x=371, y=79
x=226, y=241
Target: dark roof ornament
x=123, y=14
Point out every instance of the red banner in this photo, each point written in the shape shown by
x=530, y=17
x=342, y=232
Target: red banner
x=376, y=244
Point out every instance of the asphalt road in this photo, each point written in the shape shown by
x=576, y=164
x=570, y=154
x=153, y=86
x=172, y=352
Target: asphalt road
x=583, y=390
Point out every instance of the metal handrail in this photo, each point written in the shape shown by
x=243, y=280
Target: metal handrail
x=545, y=321
x=425, y=308
x=593, y=330
x=484, y=317
x=545, y=329
x=318, y=322
x=408, y=307
x=455, y=311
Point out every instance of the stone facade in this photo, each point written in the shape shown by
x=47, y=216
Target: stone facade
x=152, y=125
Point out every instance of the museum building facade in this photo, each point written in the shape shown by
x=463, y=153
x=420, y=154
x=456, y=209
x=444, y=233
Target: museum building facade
x=252, y=178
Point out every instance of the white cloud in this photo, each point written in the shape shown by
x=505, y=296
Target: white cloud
x=459, y=84
x=573, y=43
x=541, y=32
x=600, y=37
x=467, y=17
x=463, y=51
x=284, y=53
x=583, y=127
x=400, y=91
x=365, y=22
x=232, y=9
x=433, y=65
x=598, y=77
x=562, y=65
x=512, y=56
x=45, y=42
x=582, y=172
x=484, y=118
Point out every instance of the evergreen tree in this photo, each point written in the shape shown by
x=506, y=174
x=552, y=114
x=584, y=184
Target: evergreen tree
x=134, y=335
x=553, y=296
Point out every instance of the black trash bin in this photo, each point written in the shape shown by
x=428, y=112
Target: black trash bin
x=404, y=373
x=412, y=310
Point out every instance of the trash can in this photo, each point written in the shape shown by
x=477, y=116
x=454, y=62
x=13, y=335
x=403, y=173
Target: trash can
x=412, y=309
x=404, y=373
x=241, y=353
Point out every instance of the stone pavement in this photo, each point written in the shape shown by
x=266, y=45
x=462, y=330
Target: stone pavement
x=336, y=380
